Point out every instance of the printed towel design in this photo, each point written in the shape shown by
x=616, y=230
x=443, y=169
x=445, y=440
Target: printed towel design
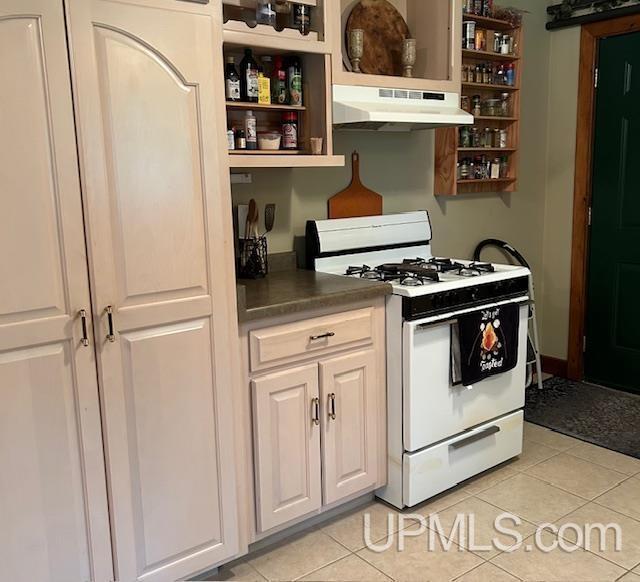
x=488, y=343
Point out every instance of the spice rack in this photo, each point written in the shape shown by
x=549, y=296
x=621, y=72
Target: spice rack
x=449, y=151
x=314, y=116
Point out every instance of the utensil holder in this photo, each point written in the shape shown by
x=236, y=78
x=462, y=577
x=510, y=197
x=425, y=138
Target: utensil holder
x=253, y=263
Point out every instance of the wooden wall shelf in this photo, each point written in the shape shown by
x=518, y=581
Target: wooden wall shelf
x=262, y=106
x=488, y=56
x=448, y=152
x=249, y=160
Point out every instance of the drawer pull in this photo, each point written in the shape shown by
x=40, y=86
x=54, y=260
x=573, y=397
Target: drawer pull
x=332, y=406
x=487, y=432
x=316, y=411
x=111, y=336
x=85, y=336
x=315, y=338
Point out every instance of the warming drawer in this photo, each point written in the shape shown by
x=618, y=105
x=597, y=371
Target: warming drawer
x=442, y=466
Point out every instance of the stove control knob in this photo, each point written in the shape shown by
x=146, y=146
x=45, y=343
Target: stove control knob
x=475, y=293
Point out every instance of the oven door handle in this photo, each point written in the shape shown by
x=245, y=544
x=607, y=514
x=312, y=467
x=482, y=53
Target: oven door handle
x=474, y=438
x=454, y=319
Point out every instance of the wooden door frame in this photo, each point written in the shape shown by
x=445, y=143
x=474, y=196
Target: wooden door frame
x=589, y=39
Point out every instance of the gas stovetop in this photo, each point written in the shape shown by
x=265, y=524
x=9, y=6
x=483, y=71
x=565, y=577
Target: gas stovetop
x=417, y=276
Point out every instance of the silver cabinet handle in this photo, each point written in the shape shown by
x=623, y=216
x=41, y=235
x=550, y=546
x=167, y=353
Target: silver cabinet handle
x=111, y=335
x=327, y=335
x=487, y=432
x=332, y=406
x=83, y=320
x=316, y=411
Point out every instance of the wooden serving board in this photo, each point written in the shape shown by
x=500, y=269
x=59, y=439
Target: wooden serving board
x=356, y=200
x=384, y=30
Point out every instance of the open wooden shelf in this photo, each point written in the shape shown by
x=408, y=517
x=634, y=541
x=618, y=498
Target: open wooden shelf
x=488, y=22
x=491, y=87
x=494, y=118
x=480, y=149
x=264, y=107
x=489, y=55
x=265, y=152
x=487, y=181
x=448, y=154
x=284, y=160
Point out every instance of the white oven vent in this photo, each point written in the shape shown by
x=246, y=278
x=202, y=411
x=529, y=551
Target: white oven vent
x=399, y=110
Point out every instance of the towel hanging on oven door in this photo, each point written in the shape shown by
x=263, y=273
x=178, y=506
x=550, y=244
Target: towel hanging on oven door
x=484, y=343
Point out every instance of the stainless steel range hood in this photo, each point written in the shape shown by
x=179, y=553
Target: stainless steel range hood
x=380, y=109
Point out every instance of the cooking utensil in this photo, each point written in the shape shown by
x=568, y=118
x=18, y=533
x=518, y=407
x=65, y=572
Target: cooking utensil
x=384, y=30
x=252, y=218
x=356, y=200
x=269, y=217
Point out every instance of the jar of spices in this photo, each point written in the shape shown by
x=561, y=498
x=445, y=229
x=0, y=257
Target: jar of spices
x=496, y=138
x=491, y=107
x=464, y=169
x=504, y=167
x=504, y=104
x=487, y=140
x=465, y=103
x=474, y=137
x=290, y=130
x=504, y=138
x=241, y=140
x=465, y=137
x=476, y=102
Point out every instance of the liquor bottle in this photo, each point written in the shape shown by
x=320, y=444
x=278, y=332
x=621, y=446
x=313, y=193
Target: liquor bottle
x=249, y=78
x=232, y=80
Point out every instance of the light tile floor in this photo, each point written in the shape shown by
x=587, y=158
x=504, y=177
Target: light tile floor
x=557, y=479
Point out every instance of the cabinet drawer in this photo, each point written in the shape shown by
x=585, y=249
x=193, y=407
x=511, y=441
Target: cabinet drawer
x=438, y=468
x=315, y=337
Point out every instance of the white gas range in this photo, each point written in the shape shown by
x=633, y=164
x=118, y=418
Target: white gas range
x=440, y=432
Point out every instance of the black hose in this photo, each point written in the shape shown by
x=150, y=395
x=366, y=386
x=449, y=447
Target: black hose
x=494, y=242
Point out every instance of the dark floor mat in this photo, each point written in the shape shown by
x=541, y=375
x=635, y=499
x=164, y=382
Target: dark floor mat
x=602, y=416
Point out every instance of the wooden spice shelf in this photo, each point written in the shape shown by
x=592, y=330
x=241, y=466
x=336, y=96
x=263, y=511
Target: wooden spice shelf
x=487, y=181
x=489, y=55
x=489, y=23
x=265, y=152
x=263, y=107
x=494, y=118
x=481, y=149
x=491, y=86
x=449, y=156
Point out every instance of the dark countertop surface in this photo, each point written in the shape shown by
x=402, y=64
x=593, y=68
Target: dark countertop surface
x=294, y=291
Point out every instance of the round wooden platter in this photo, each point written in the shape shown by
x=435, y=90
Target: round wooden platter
x=384, y=30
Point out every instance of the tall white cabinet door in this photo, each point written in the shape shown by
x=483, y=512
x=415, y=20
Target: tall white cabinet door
x=54, y=522
x=149, y=94
x=348, y=388
x=286, y=429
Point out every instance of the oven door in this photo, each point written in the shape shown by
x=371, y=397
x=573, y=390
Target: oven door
x=433, y=408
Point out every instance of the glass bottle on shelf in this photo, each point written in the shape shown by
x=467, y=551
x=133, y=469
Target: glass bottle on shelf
x=294, y=82
x=231, y=80
x=283, y=14
x=249, y=78
x=266, y=12
x=251, y=130
x=302, y=18
x=279, y=82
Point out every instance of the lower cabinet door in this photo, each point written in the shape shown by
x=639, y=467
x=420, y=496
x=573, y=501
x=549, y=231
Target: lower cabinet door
x=286, y=417
x=349, y=428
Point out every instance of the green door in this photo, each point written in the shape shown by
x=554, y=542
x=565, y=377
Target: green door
x=613, y=309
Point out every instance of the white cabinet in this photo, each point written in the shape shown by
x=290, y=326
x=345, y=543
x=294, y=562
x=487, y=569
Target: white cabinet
x=149, y=109
x=318, y=413
x=53, y=501
x=155, y=247
x=349, y=445
x=286, y=412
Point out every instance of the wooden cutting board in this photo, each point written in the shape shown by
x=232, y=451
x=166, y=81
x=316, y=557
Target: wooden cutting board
x=384, y=30
x=356, y=200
